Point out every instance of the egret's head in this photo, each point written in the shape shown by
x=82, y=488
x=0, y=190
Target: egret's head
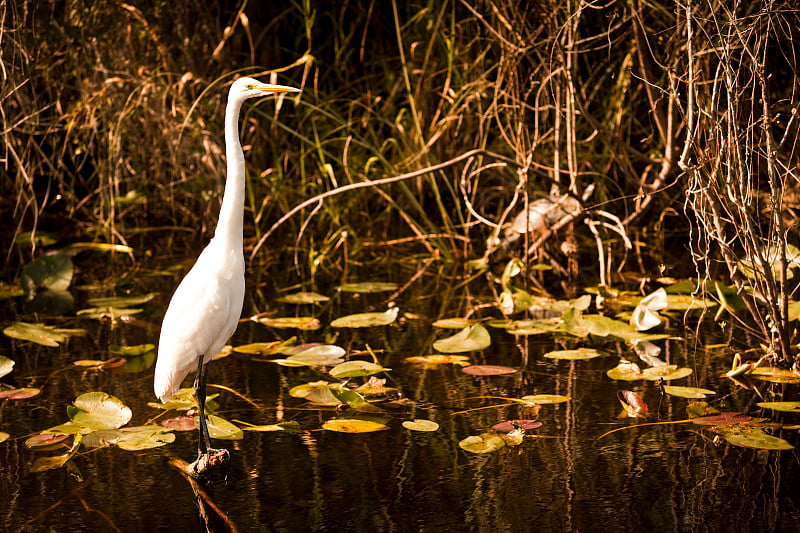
x=251, y=88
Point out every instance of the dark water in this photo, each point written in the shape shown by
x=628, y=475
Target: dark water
x=661, y=478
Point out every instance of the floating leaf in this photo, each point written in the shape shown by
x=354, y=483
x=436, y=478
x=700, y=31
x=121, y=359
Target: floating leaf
x=97, y=313
x=700, y=409
x=119, y=302
x=453, y=323
x=666, y=372
x=775, y=375
x=19, y=394
x=374, y=387
x=303, y=298
x=281, y=426
x=318, y=392
x=722, y=419
x=469, y=339
x=603, y=326
x=482, y=443
x=96, y=363
x=625, y=371
x=687, y=392
x=369, y=287
x=6, y=365
x=633, y=403
x=574, y=355
x=219, y=428
x=788, y=407
x=366, y=320
x=419, y=424
x=133, y=351
x=183, y=400
x=259, y=348
x=488, y=370
x=4, y=436
x=356, y=425
x=438, y=359
x=756, y=438
x=314, y=355
x=511, y=425
x=10, y=291
x=545, y=399
x=45, y=441
x=530, y=327
x=39, y=333
x=305, y=323
x=180, y=423
x=352, y=369
x=49, y=463
x=98, y=410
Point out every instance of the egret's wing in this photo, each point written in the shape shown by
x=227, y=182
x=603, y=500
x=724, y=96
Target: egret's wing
x=202, y=315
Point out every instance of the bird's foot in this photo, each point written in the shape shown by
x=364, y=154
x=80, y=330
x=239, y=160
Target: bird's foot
x=210, y=461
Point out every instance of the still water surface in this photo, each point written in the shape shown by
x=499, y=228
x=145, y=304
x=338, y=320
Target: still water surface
x=661, y=478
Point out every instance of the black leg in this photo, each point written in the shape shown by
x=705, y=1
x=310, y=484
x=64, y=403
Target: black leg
x=200, y=380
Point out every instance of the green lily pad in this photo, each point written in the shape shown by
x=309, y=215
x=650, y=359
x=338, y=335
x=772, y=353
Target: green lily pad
x=687, y=392
x=305, y=323
x=303, y=298
x=98, y=410
x=352, y=369
x=482, y=443
x=469, y=339
x=356, y=425
x=369, y=287
x=545, y=399
x=219, y=428
x=318, y=392
x=6, y=365
x=419, y=424
x=40, y=333
x=183, y=400
x=788, y=407
x=366, y=320
x=756, y=438
x=145, y=437
x=259, y=348
x=574, y=355
x=313, y=355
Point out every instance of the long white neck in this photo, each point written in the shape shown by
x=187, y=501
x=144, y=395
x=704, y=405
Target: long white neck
x=231, y=214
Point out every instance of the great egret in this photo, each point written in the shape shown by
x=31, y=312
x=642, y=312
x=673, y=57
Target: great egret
x=207, y=304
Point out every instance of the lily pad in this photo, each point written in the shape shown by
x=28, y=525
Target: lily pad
x=482, y=443
x=318, y=392
x=722, y=419
x=453, y=323
x=19, y=394
x=6, y=365
x=369, y=287
x=469, y=339
x=219, y=428
x=366, y=320
x=314, y=355
x=98, y=410
x=775, y=375
x=488, y=370
x=45, y=441
x=259, y=348
x=419, y=424
x=687, y=392
x=305, y=323
x=40, y=333
x=438, y=359
x=303, y=298
x=352, y=369
x=625, y=371
x=52, y=272
x=545, y=399
x=665, y=372
x=133, y=351
x=756, y=438
x=511, y=425
x=180, y=423
x=574, y=355
x=4, y=436
x=356, y=425
x=787, y=407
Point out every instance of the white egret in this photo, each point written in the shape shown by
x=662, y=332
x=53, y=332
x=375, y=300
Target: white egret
x=207, y=305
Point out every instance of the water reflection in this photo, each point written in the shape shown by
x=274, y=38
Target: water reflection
x=661, y=478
